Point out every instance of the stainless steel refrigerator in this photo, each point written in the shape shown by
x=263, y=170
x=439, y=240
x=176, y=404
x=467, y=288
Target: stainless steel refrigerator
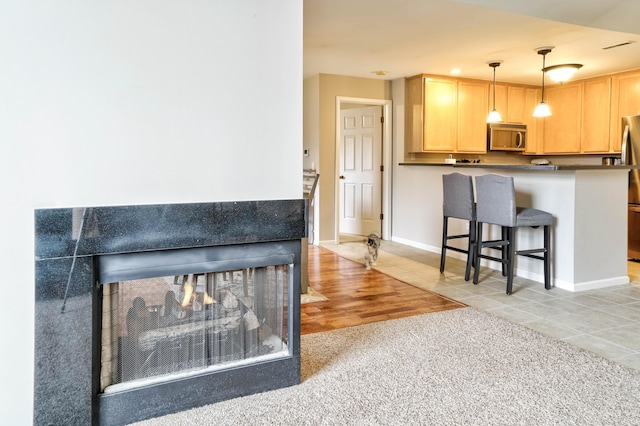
x=631, y=156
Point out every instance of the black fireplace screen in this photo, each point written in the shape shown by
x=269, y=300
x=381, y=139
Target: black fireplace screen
x=155, y=328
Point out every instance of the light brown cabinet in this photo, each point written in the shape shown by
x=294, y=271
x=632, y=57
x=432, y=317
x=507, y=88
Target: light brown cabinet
x=625, y=100
x=515, y=104
x=596, y=115
x=586, y=114
x=501, y=99
x=432, y=113
x=535, y=125
x=472, y=116
x=509, y=102
x=440, y=115
x=446, y=115
x=562, y=130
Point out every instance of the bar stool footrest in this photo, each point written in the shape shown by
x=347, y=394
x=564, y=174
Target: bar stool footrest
x=459, y=250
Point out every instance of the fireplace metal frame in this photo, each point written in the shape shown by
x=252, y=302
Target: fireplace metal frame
x=68, y=260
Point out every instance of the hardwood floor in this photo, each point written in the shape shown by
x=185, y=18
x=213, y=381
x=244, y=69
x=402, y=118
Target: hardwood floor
x=357, y=296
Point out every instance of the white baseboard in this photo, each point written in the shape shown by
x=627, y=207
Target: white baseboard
x=416, y=245
x=592, y=285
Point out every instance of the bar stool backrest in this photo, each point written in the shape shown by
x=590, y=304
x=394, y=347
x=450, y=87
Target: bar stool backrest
x=496, y=200
x=458, y=199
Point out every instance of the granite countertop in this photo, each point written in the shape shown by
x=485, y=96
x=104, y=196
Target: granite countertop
x=547, y=167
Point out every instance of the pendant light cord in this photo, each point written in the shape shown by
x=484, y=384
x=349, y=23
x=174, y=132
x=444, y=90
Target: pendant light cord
x=494, y=88
x=544, y=57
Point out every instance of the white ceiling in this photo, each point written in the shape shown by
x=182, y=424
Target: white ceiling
x=408, y=37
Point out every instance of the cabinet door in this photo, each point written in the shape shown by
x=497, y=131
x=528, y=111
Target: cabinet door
x=562, y=129
x=473, y=99
x=625, y=101
x=414, y=114
x=515, y=104
x=535, y=126
x=596, y=112
x=501, y=100
x=440, y=115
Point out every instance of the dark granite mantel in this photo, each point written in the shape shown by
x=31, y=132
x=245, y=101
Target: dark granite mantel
x=67, y=243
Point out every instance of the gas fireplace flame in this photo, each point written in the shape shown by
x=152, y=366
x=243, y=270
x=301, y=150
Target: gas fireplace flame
x=190, y=295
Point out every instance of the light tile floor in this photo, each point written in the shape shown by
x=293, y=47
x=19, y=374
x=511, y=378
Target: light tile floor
x=604, y=321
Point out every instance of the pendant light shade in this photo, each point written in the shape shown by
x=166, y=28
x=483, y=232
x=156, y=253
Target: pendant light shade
x=494, y=115
x=542, y=109
x=561, y=73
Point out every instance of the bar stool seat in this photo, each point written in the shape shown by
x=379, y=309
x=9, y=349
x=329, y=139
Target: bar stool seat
x=458, y=202
x=496, y=204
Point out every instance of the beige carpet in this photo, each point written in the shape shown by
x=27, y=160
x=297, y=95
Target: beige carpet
x=312, y=296
x=462, y=366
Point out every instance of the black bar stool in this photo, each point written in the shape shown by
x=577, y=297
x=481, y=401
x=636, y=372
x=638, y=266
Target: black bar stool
x=458, y=203
x=496, y=204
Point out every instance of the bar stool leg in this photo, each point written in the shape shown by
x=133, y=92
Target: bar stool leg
x=476, y=252
x=511, y=255
x=470, y=250
x=443, y=254
x=504, y=234
x=547, y=258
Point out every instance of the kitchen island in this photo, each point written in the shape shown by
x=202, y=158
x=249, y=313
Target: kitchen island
x=589, y=205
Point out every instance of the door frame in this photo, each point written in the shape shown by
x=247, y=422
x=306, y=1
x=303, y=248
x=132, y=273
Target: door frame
x=387, y=153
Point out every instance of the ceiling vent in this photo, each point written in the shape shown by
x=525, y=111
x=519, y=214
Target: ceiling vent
x=619, y=45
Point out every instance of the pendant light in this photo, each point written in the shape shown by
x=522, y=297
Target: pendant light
x=561, y=73
x=542, y=109
x=494, y=115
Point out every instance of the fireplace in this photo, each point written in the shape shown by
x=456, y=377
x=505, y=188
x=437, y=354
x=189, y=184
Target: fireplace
x=146, y=310
x=162, y=328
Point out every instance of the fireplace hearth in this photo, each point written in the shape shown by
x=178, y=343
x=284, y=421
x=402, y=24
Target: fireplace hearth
x=143, y=311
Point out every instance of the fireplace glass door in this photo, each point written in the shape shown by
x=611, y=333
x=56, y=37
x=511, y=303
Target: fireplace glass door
x=154, y=329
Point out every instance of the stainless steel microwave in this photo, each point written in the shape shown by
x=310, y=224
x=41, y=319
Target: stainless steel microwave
x=506, y=137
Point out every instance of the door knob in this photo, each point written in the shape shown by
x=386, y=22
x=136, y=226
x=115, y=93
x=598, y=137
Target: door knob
x=341, y=177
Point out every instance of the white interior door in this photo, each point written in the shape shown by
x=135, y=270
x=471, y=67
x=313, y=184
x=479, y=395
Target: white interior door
x=360, y=170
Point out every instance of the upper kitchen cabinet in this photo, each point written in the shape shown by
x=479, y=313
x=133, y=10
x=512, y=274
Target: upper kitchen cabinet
x=446, y=115
x=562, y=130
x=596, y=113
x=625, y=100
x=501, y=99
x=515, y=104
x=535, y=125
x=509, y=102
x=473, y=98
x=432, y=120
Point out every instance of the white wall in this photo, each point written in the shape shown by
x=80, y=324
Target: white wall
x=152, y=101
x=417, y=216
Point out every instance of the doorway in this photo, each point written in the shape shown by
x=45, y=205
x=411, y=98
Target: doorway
x=382, y=168
x=360, y=170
